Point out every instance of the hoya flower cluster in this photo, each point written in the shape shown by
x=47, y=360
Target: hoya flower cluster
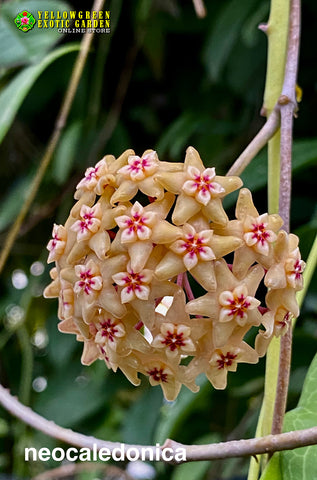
x=141, y=236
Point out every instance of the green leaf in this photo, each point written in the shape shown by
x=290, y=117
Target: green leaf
x=224, y=35
x=142, y=417
x=12, y=203
x=67, y=401
x=176, y=136
x=272, y=470
x=301, y=462
x=15, y=92
x=66, y=152
x=20, y=48
x=173, y=414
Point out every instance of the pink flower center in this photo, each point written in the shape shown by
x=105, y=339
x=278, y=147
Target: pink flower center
x=225, y=360
x=298, y=269
x=136, y=223
x=24, y=20
x=55, y=239
x=108, y=329
x=203, y=183
x=133, y=281
x=238, y=306
x=92, y=173
x=283, y=323
x=260, y=233
x=87, y=221
x=139, y=164
x=194, y=245
x=86, y=281
x=173, y=340
x=158, y=375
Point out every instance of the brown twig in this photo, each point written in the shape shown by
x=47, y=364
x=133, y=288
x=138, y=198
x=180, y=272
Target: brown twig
x=235, y=448
x=260, y=140
x=288, y=107
x=59, y=125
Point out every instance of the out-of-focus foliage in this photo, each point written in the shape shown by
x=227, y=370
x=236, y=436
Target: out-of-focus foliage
x=162, y=79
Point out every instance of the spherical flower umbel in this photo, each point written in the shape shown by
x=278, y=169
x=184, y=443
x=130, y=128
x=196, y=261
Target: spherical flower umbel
x=142, y=239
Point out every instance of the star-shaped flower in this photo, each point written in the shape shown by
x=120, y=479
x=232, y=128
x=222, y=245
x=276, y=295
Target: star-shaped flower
x=276, y=324
x=89, y=223
x=139, y=174
x=56, y=245
x=195, y=251
x=258, y=233
x=232, y=308
x=288, y=267
x=142, y=227
x=198, y=189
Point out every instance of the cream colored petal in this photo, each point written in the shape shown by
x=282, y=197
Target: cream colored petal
x=207, y=305
x=245, y=205
x=169, y=266
x=185, y=208
x=164, y=232
x=144, y=233
x=139, y=253
x=125, y=192
x=127, y=294
x=100, y=244
x=275, y=277
x=192, y=159
x=171, y=182
x=123, y=221
x=190, y=187
x=190, y=260
x=128, y=235
x=109, y=301
x=149, y=186
x=90, y=353
x=204, y=273
x=222, y=333
x=214, y=211
x=229, y=183
x=120, y=278
x=206, y=254
x=142, y=292
x=226, y=298
x=221, y=246
x=203, y=197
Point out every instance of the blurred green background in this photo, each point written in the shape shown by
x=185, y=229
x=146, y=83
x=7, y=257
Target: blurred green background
x=162, y=79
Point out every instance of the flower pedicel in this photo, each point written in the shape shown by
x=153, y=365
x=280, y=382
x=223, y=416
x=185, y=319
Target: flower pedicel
x=140, y=229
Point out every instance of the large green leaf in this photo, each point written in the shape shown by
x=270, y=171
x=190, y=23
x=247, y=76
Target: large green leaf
x=301, y=462
x=224, y=35
x=173, y=414
x=68, y=401
x=142, y=417
x=15, y=92
x=273, y=469
x=12, y=203
x=20, y=48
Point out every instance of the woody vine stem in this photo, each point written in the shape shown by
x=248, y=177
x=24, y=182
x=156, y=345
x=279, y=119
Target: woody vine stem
x=280, y=106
